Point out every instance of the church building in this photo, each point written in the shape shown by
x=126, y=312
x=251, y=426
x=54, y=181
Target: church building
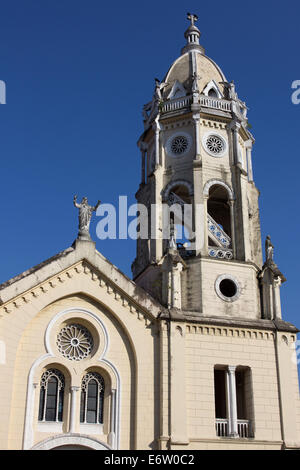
x=192, y=353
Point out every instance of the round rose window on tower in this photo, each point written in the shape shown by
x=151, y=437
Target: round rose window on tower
x=178, y=144
x=214, y=144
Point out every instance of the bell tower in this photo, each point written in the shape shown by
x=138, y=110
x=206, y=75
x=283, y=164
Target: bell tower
x=203, y=250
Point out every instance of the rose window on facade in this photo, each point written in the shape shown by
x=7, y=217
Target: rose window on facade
x=75, y=342
x=179, y=145
x=214, y=144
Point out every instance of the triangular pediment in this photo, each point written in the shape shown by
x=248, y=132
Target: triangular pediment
x=177, y=91
x=212, y=88
x=82, y=259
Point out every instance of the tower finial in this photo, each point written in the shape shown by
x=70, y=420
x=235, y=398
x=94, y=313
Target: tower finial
x=192, y=35
x=192, y=18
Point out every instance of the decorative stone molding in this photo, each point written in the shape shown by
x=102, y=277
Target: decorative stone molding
x=71, y=440
x=82, y=267
x=173, y=184
x=212, y=85
x=177, y=91
x=213, y=124
x=213, y=182
x=51, y=357
x=175, y=123
x=231, y=332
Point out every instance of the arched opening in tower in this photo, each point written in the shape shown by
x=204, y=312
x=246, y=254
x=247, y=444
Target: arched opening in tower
x=180, y=216
x=218, y=217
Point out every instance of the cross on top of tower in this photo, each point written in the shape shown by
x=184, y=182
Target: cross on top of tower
x=192, y=35
x=192, y=18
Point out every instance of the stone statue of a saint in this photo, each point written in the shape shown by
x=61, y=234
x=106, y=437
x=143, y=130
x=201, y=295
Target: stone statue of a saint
x=84, y=217
x=195, y=79
x=157, y=90
x=269, y=249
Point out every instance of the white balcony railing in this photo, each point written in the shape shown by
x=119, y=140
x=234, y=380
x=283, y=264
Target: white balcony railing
x=174, y=105
x=244, y=428
x=204, y=101
x=208, y=102
x=243, y=425
x=222, y=427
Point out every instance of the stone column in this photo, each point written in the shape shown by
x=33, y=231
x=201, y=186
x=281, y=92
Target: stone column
x=231, y=402
x=176, y=286
x=236, y=127
x=205, y=228
x=276, y=298
x=74, y=391
x=156, y=128
x=112, y=433
x=249, y=161
x=29, y=428
x=196, y=118
x=232, y=226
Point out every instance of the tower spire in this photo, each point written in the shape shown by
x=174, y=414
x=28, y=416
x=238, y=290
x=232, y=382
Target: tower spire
x=192, y=35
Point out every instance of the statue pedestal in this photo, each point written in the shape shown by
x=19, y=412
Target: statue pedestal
x=83, y=241
x=84, y=236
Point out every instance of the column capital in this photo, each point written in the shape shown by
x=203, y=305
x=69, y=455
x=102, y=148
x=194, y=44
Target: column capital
x=231, y=369
x=235, y=126
x=249, y=144
x=74, y=388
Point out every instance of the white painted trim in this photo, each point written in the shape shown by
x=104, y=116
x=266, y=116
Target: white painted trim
x=213, y=182
x=28, y=428
x=212, y=85
x=71, y=439
x=177, y=86
x=74, y=310
x=219, y=293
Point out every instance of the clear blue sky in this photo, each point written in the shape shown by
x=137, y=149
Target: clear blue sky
x=77, y=75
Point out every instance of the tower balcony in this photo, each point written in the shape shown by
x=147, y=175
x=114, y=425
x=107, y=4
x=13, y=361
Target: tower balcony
x=184, y=103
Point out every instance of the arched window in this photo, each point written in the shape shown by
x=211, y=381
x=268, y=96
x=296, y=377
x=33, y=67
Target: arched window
x=51, y=395
x=92, y=397
x=179, y=219
x=212, y=92
x=219, y=222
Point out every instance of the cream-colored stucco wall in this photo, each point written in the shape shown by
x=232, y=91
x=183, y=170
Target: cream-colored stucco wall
x=132, y=336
